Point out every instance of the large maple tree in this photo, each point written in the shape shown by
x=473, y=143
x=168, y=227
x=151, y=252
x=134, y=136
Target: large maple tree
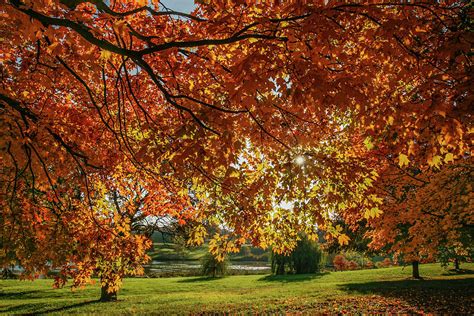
x=258, y=117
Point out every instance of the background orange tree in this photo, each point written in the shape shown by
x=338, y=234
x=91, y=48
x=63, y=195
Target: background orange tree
x=427, y=214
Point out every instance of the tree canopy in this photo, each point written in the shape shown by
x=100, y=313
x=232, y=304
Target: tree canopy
x=268, y=119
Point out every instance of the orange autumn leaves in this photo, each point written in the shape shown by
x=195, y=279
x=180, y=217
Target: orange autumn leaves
x=425, y=212
x=200, y=116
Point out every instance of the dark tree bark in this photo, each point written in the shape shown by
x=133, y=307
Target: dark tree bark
x=456, y=264
x=106, y=296
x=416, y=271
x=7, y=273
x=278, y=263
x=281, y=269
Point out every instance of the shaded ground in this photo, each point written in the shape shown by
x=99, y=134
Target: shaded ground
x=430, y=296
x=453, y=297
x=364, y=291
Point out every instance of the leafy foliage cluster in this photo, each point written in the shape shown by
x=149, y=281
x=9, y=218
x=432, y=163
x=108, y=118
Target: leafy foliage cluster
x=307, y=257
x=212, y=267
x=241, y=122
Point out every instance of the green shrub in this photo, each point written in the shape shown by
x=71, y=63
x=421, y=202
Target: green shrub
x=305, y=258
x=212, y=267
x=281, y=264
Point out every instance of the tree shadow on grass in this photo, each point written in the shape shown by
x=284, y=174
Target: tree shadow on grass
x=199, y=279
x=25, y=309
x=292, y=277
x=401, y=286
x=458, y=272
x=436, y=296
x=31, y=294
x=17, y=295
x=68, y=307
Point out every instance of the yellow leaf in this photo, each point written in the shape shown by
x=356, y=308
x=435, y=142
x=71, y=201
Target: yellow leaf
x=374, y=174
x=368, y=182
x=403, y=160
x=105, y=54
x=252, y=40
x=372, y=213
x=234, y=174
x=434, y=161
x=376, y=199
x=449, y=157
x=343, y=239
x=368, y=143
x=390, y=120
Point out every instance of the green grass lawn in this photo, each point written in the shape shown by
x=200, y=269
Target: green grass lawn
x=378, y=290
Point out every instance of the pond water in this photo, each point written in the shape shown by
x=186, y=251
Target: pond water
x=191, y=268
x=194, y=267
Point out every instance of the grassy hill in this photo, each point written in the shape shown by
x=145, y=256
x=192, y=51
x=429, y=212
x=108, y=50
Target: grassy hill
x=168, y=251
x=368, y=291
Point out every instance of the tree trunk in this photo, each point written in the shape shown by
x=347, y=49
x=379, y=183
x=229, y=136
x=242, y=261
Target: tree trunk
x=7, y=273
x=281, y=268
x=456, y=264
x=106, y=296
x=416, y=271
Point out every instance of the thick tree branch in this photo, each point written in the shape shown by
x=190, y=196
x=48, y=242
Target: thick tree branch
x=33, y=117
